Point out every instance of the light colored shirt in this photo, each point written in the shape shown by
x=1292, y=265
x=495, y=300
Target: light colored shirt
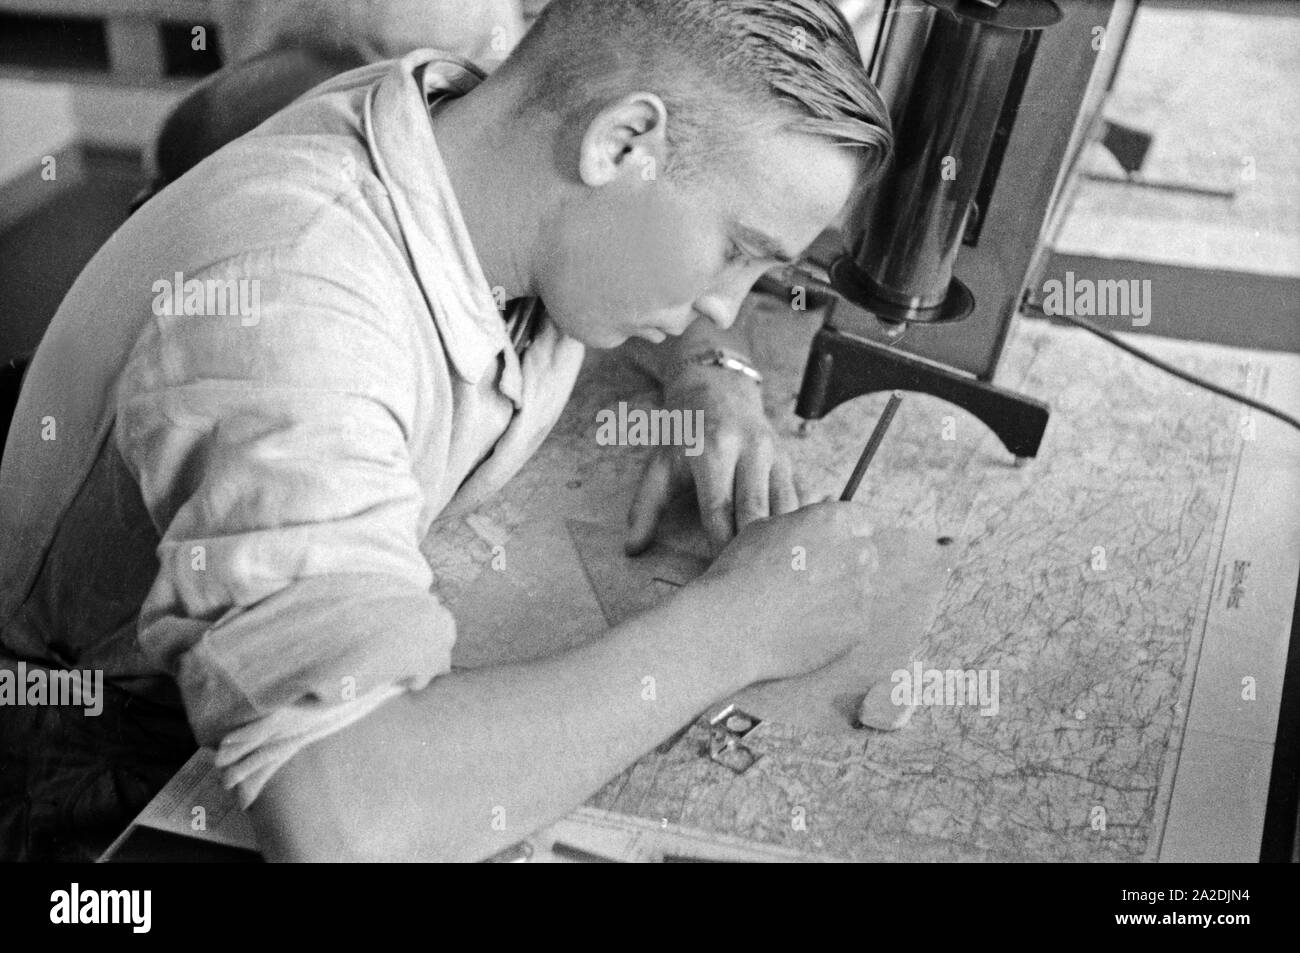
x=232, y=506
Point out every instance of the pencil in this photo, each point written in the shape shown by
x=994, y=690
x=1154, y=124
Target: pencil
x=873, y=444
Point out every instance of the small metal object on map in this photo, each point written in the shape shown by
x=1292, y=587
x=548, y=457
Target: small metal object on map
x=727, y=729
x=739, y=724
x=519, y=853
x=734, y=721
x=730, y=753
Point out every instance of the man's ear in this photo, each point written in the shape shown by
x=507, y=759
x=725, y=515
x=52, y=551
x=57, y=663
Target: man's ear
x=630, y=134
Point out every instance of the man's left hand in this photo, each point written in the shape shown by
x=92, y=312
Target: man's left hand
x=741, y=473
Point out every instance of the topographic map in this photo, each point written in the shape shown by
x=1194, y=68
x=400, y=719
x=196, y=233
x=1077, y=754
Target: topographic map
x=1083, y=579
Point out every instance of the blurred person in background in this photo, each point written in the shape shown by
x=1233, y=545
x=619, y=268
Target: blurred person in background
x=276, y=50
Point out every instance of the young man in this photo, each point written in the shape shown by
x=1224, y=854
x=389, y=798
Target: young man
x=258, y=396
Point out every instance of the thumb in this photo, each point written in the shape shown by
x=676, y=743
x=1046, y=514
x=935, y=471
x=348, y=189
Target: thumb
x=652, y=498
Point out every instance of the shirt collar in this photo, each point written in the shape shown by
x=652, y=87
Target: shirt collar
x=407, y=159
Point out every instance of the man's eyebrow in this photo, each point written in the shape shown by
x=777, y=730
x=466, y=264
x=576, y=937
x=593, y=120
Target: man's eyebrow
x=769, y=247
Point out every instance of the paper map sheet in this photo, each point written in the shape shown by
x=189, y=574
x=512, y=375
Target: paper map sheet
x=1091, y=580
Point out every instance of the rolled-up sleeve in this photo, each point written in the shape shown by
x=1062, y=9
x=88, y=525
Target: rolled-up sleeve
x=272, y=455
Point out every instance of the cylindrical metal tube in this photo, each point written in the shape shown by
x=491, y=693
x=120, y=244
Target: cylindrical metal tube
x=945, y=71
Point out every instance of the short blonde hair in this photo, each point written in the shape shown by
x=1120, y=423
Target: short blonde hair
x=719, y=66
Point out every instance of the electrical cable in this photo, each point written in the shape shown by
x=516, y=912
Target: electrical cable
x=1112, y=338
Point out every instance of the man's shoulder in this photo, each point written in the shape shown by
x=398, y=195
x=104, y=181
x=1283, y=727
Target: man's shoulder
x=283, y=191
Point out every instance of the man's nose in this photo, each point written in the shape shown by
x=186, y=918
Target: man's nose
x=722, y=305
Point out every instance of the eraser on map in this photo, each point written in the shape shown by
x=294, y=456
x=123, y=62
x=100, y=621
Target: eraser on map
x=879, y=711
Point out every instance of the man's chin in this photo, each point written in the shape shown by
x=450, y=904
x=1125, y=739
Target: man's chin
x=609, y=338
x=612, y=340
x=588, y=334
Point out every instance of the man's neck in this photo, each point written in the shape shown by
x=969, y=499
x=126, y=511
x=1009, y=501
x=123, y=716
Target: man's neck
x=494, y=187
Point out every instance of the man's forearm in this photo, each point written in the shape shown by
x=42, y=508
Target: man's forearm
x=480, y=759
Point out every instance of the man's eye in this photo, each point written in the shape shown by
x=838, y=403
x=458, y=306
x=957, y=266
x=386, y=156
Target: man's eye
x=736, y=255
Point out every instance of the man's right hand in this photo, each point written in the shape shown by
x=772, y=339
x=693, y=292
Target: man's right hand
x=479, y=758
x=792, y=593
